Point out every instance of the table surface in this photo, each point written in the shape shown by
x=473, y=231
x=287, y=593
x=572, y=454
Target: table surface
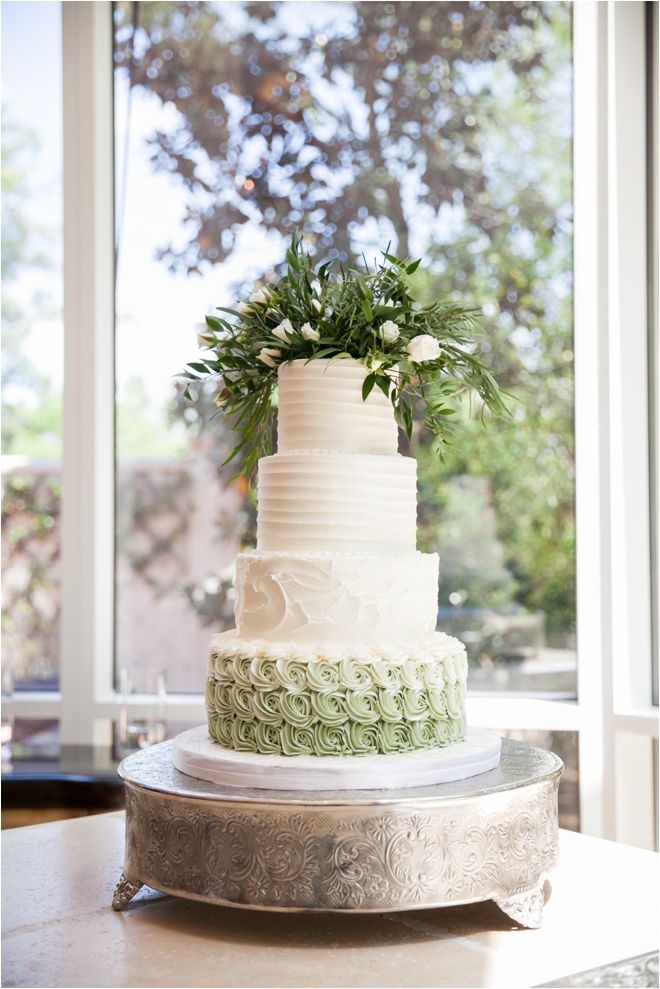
x=59, y=928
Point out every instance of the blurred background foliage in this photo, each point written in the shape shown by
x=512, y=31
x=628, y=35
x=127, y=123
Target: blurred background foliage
x=31, y=406
x=443, y=129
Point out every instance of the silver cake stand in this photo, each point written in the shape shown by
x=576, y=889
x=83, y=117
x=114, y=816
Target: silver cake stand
x=491, y=837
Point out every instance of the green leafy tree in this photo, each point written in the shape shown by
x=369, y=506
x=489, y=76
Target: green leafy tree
x=28, y=428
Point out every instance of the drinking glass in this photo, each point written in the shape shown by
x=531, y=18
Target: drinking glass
x=7, y=718
x=142, y=719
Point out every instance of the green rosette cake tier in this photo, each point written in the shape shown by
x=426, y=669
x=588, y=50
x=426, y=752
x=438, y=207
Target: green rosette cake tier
x=283, y=699
x=335, y=653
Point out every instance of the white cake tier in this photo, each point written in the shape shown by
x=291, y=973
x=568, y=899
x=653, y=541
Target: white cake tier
x=346, y=502
x=321, y=408
x=348, y=599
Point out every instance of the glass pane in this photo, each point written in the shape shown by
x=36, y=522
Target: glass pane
x=442, y=130
x=32, y=339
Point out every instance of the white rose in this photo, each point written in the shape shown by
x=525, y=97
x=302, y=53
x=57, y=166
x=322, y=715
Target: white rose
x=389, y=331
x=269, y=356
x=261, y=296
x=205, y=340
x=423, y=348
x=309, y=332
x=282, y=330
x=316, y=306
x=243, y=308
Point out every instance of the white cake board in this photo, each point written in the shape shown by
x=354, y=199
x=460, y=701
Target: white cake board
x=196, y=755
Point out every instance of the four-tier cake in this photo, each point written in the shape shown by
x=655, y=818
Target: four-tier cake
x=335, y=651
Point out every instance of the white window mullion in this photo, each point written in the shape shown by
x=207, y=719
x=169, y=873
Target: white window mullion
x=88, y=446
x=629, y=397
x=592, y=440
x=629, y=423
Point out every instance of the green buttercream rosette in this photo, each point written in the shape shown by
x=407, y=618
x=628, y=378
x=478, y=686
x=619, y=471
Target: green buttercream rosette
x=412, y=675
x=224, y=668
x=363, y=739
x=415, y=704
x=290, y=674
x=455, y=694
x=224, y=703
x=263, y=675
x=423, y=734
x=244, y=735
x=354, y=675
x=266, y=704
x=390, y=703
x=458, y=728
x=394, y=737
x=241, y=667
x=209, y=695
x=443, y=732
x=451, y=666
x=329, y=708
x=385, y=675
x=224, y=725
x=437, y=704
x=362, y=706
x=213, y=726
x=331, y=740
x=297, y=709
x=323, y=676
x=434, y=678
x=268, y=738
x=297, y=741
x=242, y=702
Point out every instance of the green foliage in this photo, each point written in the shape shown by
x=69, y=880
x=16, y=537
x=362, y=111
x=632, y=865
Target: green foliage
x=35, y=432
x=31, y=425
x=410, y=352
x=140, y=435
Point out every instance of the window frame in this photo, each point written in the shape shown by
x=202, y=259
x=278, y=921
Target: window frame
x=614, y=714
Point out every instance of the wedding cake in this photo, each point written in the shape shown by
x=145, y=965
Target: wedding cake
x=335, y=651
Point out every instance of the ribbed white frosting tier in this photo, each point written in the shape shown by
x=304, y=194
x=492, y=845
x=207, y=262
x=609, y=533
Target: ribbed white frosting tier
x=345, y=502
x=345, y=599
x=321, y=408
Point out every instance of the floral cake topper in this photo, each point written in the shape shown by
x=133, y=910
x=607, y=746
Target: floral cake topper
x=409, y=351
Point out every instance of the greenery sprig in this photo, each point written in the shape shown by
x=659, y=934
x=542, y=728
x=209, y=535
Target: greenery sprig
x=410, y=352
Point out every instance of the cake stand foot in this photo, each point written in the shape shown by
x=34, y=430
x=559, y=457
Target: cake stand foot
x=125, y=892
x=526, y=910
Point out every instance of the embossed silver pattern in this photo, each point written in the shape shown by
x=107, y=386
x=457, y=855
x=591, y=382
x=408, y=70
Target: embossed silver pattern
x=125, y=892
x=489, y=837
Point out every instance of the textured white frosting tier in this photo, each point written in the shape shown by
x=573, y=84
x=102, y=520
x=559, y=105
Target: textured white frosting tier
x=346, y=502
x=321, y=408
x=346, y=599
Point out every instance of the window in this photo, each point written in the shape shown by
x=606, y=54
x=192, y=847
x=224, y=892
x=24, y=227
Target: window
x=32, y=341
x=612, y=720
x=391, y=125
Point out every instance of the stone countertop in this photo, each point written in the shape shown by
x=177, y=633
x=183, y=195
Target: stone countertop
x=59, y=928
